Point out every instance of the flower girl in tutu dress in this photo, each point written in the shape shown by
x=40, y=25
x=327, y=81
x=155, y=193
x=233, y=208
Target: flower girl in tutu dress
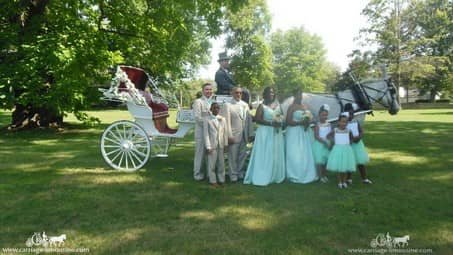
x=360, y=153
x=321, y=144
x=341, y=158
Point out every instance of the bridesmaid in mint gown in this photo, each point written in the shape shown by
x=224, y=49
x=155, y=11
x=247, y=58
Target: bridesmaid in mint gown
x=267, y=162
x=300, y=164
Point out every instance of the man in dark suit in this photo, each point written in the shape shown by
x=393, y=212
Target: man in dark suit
x=223, y=77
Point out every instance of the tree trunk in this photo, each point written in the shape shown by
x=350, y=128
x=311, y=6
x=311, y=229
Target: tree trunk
x=32, y=117
x=432, y=95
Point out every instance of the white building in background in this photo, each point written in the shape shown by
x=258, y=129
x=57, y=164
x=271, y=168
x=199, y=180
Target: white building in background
x=414, y=94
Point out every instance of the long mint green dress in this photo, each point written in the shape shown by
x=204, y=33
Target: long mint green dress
x=300, y=164
x=267, y=162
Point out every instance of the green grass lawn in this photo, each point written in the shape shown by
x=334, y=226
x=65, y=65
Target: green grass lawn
x=57, y=182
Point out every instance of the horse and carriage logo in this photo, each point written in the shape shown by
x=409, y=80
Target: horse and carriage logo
x=41, y=239
x=389, y=242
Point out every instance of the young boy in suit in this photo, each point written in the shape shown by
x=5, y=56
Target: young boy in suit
x=215, y=140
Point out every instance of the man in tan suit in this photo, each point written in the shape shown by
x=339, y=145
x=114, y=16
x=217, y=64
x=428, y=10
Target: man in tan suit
x=215, y=139
x=240, y=129
x=201, y=111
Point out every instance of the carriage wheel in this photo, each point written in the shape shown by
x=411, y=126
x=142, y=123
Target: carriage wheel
x=125, y=146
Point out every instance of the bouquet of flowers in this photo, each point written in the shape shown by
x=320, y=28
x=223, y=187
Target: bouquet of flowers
x=278, y=118
x=306, y=118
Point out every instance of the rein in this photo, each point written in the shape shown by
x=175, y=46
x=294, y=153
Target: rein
x=378, y=100
x=370, y=98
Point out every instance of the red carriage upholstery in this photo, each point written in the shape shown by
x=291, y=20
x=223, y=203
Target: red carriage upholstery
x=136, y=76
x=160, y=110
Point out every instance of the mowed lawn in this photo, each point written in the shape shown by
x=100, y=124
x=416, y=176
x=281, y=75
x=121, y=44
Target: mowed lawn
x=57, y=182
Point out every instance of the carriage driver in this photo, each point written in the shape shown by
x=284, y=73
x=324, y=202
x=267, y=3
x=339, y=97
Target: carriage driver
x=223, y=77
x=201, y=111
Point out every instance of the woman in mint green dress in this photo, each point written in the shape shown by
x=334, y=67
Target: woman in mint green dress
x=300, y=164
x=267, y=162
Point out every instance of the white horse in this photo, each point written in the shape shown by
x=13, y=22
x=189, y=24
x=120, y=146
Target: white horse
x=380, y=91
x=401, y=241
x=57, y=240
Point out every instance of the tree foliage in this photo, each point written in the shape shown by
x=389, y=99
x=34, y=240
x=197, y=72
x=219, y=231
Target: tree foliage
x=246, y=32
x=414, y=37
x=432, y=46
x=298, y=61
x=55, y=53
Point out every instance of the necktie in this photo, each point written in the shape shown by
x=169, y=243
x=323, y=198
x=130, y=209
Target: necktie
x=242, y=112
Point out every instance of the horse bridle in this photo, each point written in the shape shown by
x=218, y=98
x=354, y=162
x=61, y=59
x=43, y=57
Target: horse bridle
x=390, y=87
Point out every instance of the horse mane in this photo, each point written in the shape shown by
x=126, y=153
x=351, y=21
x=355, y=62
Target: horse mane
x=371, y=80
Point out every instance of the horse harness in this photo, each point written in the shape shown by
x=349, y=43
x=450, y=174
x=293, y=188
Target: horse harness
x=363, y=98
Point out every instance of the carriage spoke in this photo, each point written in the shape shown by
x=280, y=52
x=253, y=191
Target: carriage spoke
x=127, y=165
x=113, y=141
x=130, y=133
x=111, y=152
x=141, y=144
x=113, y=134
x=143, y=149
x=118, y=132
x=124, y=131
x=139, y=152
x=138, y=138
x=132, y=159
x=137, y=157
x=119, y=153
x=110, y=146
x=121, y=159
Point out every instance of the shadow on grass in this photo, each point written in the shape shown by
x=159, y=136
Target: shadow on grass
x=5, y=119
x=436, y=113
x=57, y=182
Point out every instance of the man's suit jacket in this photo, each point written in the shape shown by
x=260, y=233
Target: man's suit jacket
x=200, y=112
x=239, y=120
x=215, y=134
x=224, y=82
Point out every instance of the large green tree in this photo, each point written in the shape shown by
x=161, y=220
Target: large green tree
x=414, y=37
x=54, y=53
x=298, y=61
x=432, y=64
x=390, y=31
x=246, y=32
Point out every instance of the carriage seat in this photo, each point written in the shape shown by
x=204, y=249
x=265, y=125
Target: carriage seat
x=160, y=110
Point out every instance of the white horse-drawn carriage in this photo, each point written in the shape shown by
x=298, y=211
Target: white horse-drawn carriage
x=127, y=145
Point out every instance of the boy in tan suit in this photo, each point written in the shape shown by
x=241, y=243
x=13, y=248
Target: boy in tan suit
x=240, y=130
x=215, y=139
x=201, y=112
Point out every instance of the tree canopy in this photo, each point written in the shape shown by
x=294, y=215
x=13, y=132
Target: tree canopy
x=298, y=60
x=55, y=53
x=414, y=38
x=246, y=32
